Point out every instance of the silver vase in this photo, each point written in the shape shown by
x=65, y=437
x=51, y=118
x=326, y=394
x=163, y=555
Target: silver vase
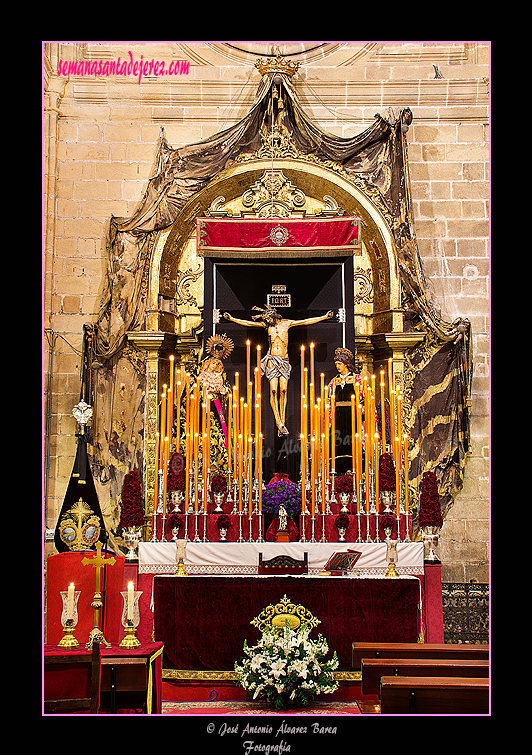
x=341, y=534
x=387, y=501
x=131, y=538
x=430, y=542
x=218, y=500
x=344, y=500
x=223, y=533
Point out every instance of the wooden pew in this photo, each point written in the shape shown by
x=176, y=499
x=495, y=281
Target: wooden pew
x=416, y=650
x=375, y=668
x=434, y=695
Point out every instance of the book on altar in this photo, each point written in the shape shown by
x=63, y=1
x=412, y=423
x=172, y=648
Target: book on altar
x=340, y=563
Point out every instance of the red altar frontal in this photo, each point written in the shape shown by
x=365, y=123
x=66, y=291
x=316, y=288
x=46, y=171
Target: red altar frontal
x=223, y=586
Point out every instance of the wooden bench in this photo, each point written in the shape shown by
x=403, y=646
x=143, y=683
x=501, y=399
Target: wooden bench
x=434, y=695
x=73, y=680
x=442, y=651
x=375, y=668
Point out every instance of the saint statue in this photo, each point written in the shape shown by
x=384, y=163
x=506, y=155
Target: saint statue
x=340, y=390
x=211, y=373
x=275, y=365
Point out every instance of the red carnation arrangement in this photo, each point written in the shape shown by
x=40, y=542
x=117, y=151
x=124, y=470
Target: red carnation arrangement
x=387, y=522
x=343, y=484
x=131, y=513
x=223, y=522
x=342, y=520
x=176, y=473
x=219, y=483
x=174, y=522
x=429, y=502
x=386, y=472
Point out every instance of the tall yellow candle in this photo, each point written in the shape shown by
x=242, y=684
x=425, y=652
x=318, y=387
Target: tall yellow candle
x=357, y=471
x=313, y=474
x=383, y=415
x=250, y=475
x=405, y=441
x=240, y=472
x=391, y=398
x=248, y=370
x=171, y=401
x=259, y=456
x=353, y=433
x=397, y=483
x=157, y=467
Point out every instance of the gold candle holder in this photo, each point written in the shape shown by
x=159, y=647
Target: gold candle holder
x=130, y=617
x=69, y=618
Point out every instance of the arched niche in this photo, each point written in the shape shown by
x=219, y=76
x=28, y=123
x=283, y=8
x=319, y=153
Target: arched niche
x=377, y=305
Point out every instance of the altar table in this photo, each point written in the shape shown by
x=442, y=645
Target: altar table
x=204, y=620
x=218, y=558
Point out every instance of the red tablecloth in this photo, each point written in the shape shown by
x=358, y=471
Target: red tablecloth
x=203, y=621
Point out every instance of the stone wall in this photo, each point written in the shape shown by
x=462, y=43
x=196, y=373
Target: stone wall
x=100, y=138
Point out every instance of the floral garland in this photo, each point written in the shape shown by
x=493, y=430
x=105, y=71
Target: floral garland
x=131, y=512
x=286, y=669
x=281, y=493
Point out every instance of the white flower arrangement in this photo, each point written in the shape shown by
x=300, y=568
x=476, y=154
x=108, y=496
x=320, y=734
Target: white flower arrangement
x=285, y=667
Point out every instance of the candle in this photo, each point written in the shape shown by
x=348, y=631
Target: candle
x=157, y=466
x=356, y=471
x=240, y=472
x=353, y=433
x=250, y=477
x=333, y=432
x=170, y=414
x=405, y=440
x=377, y=469
x=397, y=483
x=70, y=601
x=130, y=601
x=259, y=455
x=383, y=414
x=248, y=370
x=313, y=473
x=311, y=376
x=392, y=403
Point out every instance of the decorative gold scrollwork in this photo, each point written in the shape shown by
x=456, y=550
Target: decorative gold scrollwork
x=276, y=615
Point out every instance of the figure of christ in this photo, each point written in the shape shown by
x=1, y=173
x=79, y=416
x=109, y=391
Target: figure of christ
x=275, y=365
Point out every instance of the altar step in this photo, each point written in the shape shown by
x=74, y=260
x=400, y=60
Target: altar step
x=221, y=690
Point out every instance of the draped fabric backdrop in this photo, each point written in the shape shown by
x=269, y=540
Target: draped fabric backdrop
x=438, y=372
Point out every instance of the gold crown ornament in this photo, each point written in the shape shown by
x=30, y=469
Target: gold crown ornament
x=277, y=65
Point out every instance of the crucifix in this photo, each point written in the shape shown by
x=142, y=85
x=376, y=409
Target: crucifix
x=98, y=562
x=275, y=365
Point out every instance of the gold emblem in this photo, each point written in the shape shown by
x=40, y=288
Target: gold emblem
x=276, y=615
x=79, y=527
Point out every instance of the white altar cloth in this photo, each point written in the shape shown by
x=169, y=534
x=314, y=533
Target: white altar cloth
x=243, y=558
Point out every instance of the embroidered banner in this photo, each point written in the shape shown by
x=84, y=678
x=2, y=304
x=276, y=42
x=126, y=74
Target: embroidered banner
x=226, y=237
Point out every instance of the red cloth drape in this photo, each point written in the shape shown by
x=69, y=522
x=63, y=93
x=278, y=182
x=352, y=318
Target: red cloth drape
x=222, y=236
